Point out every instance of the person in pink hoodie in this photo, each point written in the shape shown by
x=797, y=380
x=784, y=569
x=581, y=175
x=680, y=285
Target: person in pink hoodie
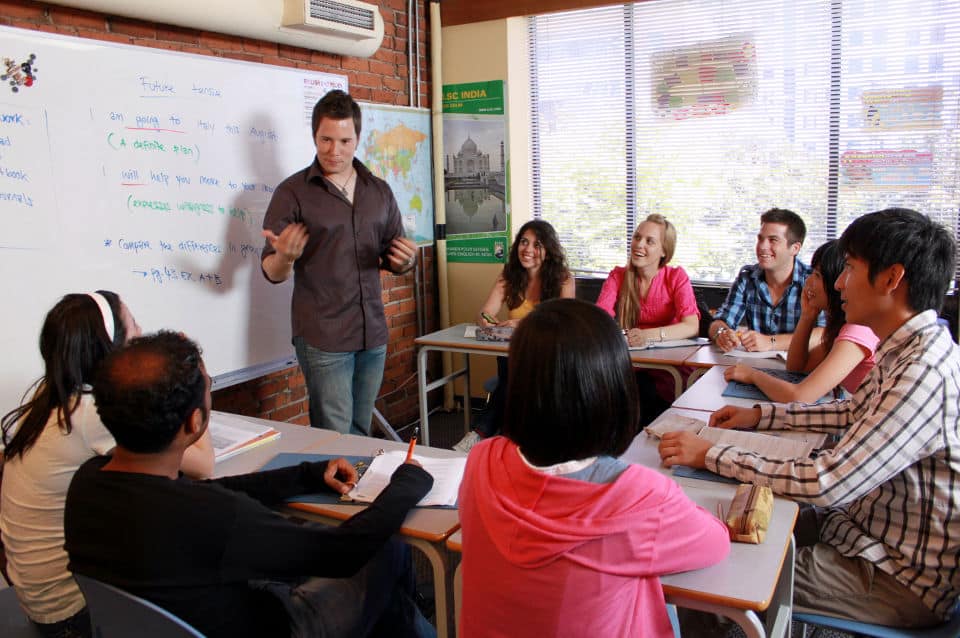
x=560, y=537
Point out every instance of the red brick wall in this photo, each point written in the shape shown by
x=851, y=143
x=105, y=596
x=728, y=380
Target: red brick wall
x=382, y=78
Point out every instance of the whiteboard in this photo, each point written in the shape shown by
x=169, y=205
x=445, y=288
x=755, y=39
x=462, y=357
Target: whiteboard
x=147, y=173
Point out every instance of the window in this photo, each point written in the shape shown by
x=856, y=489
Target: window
x=711, y=112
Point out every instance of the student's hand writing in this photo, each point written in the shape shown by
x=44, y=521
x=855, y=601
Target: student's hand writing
x=731, y=417
x=402, y=254
x=683, y=448
x=290, y=243
x=739, y=372
x=413, y=461
x=340, y=475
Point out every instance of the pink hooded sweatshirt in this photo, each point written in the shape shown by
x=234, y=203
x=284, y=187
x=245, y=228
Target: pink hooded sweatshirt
x=551, y=556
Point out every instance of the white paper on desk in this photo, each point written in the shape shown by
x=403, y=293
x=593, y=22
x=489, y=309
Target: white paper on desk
x=766, y=354
x=667, y=422
x=470, y=332
x=447, y=474
x=763, y=444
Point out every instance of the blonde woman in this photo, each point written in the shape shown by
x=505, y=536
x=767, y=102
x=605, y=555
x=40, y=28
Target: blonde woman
x=649, y=299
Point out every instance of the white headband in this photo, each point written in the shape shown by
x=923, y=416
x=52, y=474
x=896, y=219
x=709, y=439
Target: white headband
x=105, y=310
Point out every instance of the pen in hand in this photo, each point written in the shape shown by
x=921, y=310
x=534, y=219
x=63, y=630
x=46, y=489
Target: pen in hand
x=413, y=444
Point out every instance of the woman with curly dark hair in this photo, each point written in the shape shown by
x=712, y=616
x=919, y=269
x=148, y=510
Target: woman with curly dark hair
x=536, y=271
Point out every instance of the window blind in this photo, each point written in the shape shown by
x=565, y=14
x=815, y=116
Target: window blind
x=711, y=112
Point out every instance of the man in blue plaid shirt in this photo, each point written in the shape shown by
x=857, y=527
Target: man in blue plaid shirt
x=887, y=525
x=765, y=298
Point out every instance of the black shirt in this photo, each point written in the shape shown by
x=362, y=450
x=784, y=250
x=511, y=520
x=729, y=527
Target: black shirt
x=192, y=546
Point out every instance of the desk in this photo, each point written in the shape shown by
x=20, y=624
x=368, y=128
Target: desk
x=753, y=578
x=710, y=355
x=452, y=340
x=424, y=528
x=455, y=544
x=293, y=438
x=706, y=393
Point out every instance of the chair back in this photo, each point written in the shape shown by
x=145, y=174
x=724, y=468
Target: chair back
x=115, y=613
x=13, y=620
x=948, y=629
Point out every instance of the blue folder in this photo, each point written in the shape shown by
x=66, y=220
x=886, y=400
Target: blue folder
x=740, y=390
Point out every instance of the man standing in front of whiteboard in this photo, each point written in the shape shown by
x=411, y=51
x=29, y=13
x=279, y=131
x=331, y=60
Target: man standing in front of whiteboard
x=334, y=225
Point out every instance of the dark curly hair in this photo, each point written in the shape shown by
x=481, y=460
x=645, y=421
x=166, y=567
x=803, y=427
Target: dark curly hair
x=73, y=342
x=553, y=272
x=146, y=391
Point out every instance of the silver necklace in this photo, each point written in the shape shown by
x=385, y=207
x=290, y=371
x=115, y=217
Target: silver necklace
x=345, y=188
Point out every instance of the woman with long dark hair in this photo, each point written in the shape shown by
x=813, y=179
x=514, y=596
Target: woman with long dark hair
x=560, y=536
x=46, y=439
x=844, y=354
x=536, y=270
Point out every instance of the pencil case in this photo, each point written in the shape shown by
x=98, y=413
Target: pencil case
x=749, y=514
x=494, y=333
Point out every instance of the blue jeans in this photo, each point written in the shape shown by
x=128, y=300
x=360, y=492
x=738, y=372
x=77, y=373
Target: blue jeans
x=377, y=601
x=342, y=386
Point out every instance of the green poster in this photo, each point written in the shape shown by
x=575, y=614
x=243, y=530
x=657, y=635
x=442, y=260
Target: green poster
x=474, y=98
x=478, y=250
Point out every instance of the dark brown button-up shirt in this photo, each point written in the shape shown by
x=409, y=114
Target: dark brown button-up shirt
x=337, y=305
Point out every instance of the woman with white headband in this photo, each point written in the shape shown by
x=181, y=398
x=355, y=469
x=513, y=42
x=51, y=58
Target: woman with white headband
x=46, y=439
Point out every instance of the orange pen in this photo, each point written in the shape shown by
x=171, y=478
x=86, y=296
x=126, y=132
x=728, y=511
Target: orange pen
x=413, y=444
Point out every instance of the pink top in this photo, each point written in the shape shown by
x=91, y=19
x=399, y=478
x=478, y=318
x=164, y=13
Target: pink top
x=546, y=555
x=867, y=340
x=668, y=301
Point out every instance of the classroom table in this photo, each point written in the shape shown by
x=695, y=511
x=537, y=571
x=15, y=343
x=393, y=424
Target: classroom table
x=455, y=544
x=753, y=578
x=710, y=355
x=293, y=438
x=424, y=528
x=452, y=340
x=706, y=393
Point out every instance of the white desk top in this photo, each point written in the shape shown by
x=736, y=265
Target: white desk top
x=293, y=438
x=709, y=356
x=747, y=579
x=706, y=394
x=452, y=339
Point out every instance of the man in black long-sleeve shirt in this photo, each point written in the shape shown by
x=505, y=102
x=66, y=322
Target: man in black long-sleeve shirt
x=212, y=552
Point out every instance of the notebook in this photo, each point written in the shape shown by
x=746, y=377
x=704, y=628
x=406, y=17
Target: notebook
x=740, y=390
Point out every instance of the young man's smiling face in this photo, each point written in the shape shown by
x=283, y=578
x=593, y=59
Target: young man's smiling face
x=775, y=253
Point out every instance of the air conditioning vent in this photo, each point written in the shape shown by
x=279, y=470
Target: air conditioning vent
x=346, y=14
x=344, y=18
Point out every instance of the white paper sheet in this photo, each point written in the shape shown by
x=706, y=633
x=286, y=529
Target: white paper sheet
x=446, y=472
